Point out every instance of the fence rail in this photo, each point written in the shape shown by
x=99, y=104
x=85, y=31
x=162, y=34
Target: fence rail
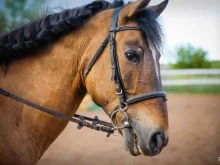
x=189, y=73
x=171, y=72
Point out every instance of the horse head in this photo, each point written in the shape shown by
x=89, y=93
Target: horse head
x=130, y=63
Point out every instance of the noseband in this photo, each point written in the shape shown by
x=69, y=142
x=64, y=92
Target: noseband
x=116, y=75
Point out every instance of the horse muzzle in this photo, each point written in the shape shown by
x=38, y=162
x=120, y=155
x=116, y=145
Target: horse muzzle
x=141, y=140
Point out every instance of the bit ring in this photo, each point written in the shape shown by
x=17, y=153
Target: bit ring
x=113, y=115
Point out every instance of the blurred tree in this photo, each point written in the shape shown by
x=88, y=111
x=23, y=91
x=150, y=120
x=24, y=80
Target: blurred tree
x=13, y=12
x=215, y=64
x=191, y=57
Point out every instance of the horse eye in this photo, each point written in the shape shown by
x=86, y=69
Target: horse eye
x=132, y=56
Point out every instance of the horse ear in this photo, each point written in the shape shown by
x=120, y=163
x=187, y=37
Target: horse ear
x=132, y=8
x=158, y=9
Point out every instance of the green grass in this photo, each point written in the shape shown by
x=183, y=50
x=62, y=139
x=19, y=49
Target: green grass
x=205, y=89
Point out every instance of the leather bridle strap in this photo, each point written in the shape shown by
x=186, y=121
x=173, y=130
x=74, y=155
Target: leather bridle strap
x=94, y=59
x=147, y=96
x=117, y=29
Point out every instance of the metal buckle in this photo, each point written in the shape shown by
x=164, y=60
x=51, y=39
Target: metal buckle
x=112, y=35
x=118, y=93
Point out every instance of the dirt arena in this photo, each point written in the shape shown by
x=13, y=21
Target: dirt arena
x=194, y=138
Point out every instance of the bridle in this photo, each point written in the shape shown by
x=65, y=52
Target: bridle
x=116, y=75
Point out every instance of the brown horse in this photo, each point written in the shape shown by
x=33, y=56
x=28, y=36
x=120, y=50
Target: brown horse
x=45, y=61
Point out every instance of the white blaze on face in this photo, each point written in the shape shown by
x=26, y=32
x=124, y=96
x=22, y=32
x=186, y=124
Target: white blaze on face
x=154, y=54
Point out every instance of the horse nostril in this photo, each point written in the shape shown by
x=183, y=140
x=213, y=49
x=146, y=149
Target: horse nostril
x=156, y=142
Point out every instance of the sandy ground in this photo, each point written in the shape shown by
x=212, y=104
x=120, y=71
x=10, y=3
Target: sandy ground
x=194, y=138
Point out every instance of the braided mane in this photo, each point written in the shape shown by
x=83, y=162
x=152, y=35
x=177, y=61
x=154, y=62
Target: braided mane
x=40, y=33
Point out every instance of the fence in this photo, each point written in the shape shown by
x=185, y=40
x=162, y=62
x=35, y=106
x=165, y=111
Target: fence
x=179, y=77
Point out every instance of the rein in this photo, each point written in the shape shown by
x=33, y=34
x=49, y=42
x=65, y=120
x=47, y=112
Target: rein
x=96, y=124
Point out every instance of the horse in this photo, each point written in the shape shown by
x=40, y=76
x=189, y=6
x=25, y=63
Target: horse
x=48, y=62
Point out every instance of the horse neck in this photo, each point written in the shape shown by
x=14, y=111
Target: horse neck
x=53, y=79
